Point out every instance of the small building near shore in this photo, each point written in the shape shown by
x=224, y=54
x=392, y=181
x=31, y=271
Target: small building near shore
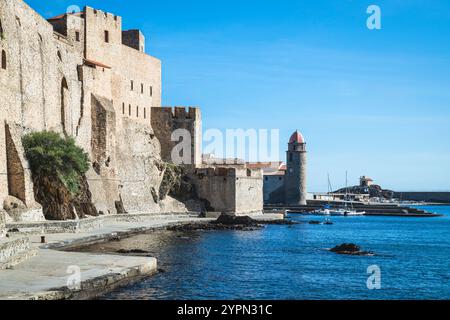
x=365, y=181
x=273, y=175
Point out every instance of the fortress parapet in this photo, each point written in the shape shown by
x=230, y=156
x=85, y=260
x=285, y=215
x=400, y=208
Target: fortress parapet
x=166, y=121
x=176, y=113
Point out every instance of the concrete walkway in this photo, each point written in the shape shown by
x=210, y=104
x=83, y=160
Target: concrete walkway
x=111, y=231
x=46, y=275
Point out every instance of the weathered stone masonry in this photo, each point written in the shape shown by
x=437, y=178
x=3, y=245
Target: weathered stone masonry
x=83, y=76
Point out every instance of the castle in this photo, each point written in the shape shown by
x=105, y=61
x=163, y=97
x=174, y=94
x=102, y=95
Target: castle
x=80, y=75
x=286, y=184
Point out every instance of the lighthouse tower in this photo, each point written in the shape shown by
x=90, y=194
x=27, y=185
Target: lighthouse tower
x=295, y=179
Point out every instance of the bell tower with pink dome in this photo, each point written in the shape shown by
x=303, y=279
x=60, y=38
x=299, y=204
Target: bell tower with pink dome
x=295, y=180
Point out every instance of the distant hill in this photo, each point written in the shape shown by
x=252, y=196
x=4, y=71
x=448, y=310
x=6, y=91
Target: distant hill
x=375, y=191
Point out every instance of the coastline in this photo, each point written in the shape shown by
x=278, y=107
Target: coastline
x=200, y=265
x=45, y=275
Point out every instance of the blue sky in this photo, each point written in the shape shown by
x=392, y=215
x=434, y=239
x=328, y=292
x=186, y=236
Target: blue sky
x=373, y=102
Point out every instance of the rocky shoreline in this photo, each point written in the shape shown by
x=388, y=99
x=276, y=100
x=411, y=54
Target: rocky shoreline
x=229, y=222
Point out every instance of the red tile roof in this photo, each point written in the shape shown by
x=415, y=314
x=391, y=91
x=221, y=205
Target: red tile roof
x=297, y=137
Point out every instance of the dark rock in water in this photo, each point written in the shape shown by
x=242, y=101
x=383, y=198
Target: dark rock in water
x=133, y=251
x=161, y=271
x=224, y=222
x=350, y=249
x=315, y=222
x=281, y=222
x=346, y=247
x=230, y=220
x=213, y=226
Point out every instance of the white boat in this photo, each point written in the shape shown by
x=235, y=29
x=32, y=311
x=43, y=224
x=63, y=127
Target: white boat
x=346, y=211
x=322, y=212
x=356, y=213
x=329, y=211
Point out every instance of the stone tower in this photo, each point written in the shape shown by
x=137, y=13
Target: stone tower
x=295, y=179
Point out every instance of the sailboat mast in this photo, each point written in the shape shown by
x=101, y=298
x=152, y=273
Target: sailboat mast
x=346, y=189
x=329, y=189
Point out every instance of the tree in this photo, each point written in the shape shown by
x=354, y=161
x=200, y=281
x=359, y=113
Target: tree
x=49, y=154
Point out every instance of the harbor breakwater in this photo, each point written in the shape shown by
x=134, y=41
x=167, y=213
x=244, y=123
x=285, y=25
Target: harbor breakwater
x=433, y=197
x=369, y=209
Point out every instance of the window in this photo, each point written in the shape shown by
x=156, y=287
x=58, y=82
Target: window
x=137, y=111
x=3, y=59
x=129, y=110
x=77, y=36
x=291, y=158
x=142, y=88
x=1, y=31
x=106, y=36
x=59, y=56
x=123, y=108
x=145, y=113
x=132, y=85
x=151, y=91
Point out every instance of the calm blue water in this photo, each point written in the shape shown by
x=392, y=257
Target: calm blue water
x=290, y=262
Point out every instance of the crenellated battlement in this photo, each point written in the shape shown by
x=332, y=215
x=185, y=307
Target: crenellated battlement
x=166, y=120
x=106, y=16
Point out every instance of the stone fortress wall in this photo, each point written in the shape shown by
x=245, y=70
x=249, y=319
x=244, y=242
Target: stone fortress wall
x=230, y=189
x=2, y=224
x=34, y=82
x=83, y=76
x=165, y=121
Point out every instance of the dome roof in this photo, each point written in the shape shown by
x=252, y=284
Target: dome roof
x=297, y=137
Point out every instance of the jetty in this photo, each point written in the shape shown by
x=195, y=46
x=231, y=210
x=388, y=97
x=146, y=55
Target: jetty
x=371, y=209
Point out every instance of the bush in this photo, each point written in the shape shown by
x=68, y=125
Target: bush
x=51, y=155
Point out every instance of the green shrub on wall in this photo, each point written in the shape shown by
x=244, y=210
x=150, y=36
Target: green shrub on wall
x=51, y=155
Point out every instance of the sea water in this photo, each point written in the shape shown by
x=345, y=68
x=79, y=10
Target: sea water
x=292, y=262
